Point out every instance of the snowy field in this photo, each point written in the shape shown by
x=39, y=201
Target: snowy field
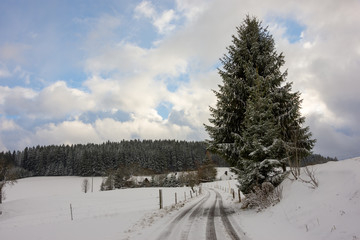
x=39, y=208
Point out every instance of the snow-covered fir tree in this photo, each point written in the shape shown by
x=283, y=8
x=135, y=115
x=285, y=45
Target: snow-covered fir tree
x=297, y=139
x=257, y=116
x=260, y=141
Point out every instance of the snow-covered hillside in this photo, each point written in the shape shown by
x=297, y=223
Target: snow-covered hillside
x=331, y=211
x=39, y=208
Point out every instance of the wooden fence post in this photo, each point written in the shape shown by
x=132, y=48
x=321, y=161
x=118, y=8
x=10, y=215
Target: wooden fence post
x=160, y=198
x=175, y=198
x=92, y=184
x=239, y=195
x=233, y=193
x=190, y=194
x=71, y=212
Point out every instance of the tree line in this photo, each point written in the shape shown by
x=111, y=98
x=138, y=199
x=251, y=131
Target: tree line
x=316, y=159
x=151, y=156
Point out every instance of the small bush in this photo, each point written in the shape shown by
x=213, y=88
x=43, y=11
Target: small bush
x=107, y=183
x=263, y=197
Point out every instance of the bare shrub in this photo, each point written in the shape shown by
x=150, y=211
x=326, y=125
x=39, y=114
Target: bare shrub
x=85, y=185
x=7, y=176
x=310, y=173
x=207, y=172
x=263, y=197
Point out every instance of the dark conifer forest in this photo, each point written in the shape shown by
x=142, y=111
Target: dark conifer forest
x=150, y=156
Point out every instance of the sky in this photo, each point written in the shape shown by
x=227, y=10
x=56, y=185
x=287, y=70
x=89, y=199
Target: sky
x=87, y=71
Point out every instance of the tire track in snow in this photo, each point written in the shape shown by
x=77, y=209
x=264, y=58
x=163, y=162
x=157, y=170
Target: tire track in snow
x=210, y=226
x=196, y=213
x=225, y=220
x=177, y=219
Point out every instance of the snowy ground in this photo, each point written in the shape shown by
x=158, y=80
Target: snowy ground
x=331, y=211
x=39, y=208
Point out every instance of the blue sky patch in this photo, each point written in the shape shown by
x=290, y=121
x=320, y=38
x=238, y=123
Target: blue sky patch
x=172, y=85
x=346, y=131
x=164, y=109
x=12, y=117
x=293, y=29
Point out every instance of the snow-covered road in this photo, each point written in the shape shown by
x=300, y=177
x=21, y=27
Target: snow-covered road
x=204, y=218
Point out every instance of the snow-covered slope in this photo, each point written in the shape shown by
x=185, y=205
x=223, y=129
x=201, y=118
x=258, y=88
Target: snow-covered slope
x=39, y=208
x=331, y=211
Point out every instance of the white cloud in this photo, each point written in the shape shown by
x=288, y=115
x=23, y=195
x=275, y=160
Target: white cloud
x=131, y=96
x=7, y=125
x=67, y=132
x=192, y=9
x=162, y=21
x=59, y=100
x=14, y=93
x=129, y=59
x=146, y=9
x=74, y=132
x=54, y=101
x=140, y=128
x=138, y=77
x=9, y=135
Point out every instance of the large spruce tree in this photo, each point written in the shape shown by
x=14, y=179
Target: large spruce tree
x=257, y=121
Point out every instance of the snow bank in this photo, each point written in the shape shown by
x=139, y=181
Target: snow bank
x=331, y=211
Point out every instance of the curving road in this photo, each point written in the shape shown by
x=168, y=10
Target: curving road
x=205, y=219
